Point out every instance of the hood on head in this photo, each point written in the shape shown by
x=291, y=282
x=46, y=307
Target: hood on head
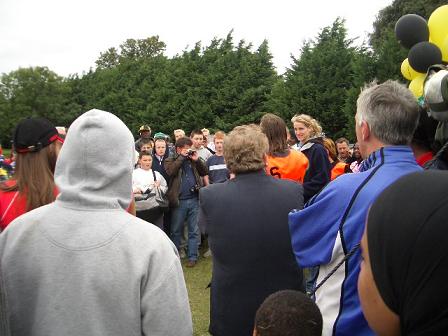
x=94, y=167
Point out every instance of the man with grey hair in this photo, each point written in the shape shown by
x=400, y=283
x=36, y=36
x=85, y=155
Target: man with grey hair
x=328, y=231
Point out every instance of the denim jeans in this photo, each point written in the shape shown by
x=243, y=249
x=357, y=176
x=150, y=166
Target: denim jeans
x=310, y=279
x=187, y=211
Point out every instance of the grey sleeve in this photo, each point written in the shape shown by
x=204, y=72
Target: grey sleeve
x=165, y=307
x=4, y=317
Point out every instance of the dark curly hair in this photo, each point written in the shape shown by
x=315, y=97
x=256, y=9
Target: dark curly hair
x=288, y=313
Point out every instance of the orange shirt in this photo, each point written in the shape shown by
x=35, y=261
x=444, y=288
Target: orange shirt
x=292, y=167
x=338, y=169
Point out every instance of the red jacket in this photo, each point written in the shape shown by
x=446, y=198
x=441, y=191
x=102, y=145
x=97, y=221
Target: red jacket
x=13, y=205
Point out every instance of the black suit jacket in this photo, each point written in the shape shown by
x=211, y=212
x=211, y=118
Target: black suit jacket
x=246, y=219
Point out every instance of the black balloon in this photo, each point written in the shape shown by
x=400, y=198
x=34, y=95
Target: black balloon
x=423, y=55
x=411, y=29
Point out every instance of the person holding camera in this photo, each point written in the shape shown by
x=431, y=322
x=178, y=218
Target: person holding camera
x=185, y=170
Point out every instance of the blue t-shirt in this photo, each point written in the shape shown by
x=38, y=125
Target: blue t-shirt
x=217, y=169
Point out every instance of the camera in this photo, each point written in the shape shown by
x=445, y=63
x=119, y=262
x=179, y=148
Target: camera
x=195, y=189
x=190, y=152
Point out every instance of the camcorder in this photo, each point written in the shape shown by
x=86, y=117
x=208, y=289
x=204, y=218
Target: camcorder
x=143, y=196
x=190, y=152
x=195, y=189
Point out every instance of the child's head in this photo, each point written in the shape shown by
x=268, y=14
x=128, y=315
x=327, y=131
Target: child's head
x=288, y=313
x=146, y=145
x=145, y=160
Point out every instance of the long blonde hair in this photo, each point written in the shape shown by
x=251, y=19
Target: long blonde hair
x=310, y=122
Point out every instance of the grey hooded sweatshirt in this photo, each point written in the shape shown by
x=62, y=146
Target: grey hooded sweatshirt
x=83, y=265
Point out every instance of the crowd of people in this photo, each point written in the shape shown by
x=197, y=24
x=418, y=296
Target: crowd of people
x=308, y=236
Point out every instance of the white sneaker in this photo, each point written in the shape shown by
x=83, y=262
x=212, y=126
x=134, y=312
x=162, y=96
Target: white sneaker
x=207, y=254
x=182, y=254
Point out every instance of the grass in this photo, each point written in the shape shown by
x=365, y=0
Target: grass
x=197, y=279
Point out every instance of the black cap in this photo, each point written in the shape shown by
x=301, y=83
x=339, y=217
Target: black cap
x=33, y=134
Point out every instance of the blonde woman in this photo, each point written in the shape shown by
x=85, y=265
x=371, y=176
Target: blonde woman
x=308, y=132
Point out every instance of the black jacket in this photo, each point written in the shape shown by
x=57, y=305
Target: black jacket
x=247, y=222
x=160, y=167
x=319, y=168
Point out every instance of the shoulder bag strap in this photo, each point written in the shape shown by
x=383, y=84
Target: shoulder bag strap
x=347, y=256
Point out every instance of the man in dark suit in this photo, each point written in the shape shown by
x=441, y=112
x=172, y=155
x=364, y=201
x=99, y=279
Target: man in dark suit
x=246, y=219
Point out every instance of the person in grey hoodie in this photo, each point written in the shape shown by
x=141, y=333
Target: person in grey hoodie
x=83, y=265
x=4, y=318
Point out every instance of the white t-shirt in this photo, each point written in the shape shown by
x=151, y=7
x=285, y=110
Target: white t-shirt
x=142, y=180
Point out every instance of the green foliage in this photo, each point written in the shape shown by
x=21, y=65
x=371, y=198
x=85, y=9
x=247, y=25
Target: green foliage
x=219, y=85
x=319, y=80
x=32, y=92
x=131, y=50
x=364, y=68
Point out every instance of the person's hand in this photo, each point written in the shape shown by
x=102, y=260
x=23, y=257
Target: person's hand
x=194, y=156
x=156, y=184
x=137, y=191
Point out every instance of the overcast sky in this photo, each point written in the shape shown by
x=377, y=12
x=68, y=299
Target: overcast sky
x=68, y=36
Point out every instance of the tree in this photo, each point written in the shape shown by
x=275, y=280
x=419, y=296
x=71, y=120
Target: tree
x=319, y=80
x=144, y=48
x=31, y=92
x=108, y=59
x=131, y=50
x=364, y=68
x=219, y=86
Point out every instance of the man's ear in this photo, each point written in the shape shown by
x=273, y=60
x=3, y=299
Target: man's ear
x=365, y=130
x=265, y=160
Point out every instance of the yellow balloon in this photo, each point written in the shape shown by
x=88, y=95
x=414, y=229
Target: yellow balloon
x=407, y=71
x=438, y=25
x=416, y=85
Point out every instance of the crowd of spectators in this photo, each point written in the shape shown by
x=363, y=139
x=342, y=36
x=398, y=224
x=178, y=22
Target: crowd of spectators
x=298, y=226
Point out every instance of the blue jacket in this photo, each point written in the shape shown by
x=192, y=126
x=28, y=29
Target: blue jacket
x=330, y=226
